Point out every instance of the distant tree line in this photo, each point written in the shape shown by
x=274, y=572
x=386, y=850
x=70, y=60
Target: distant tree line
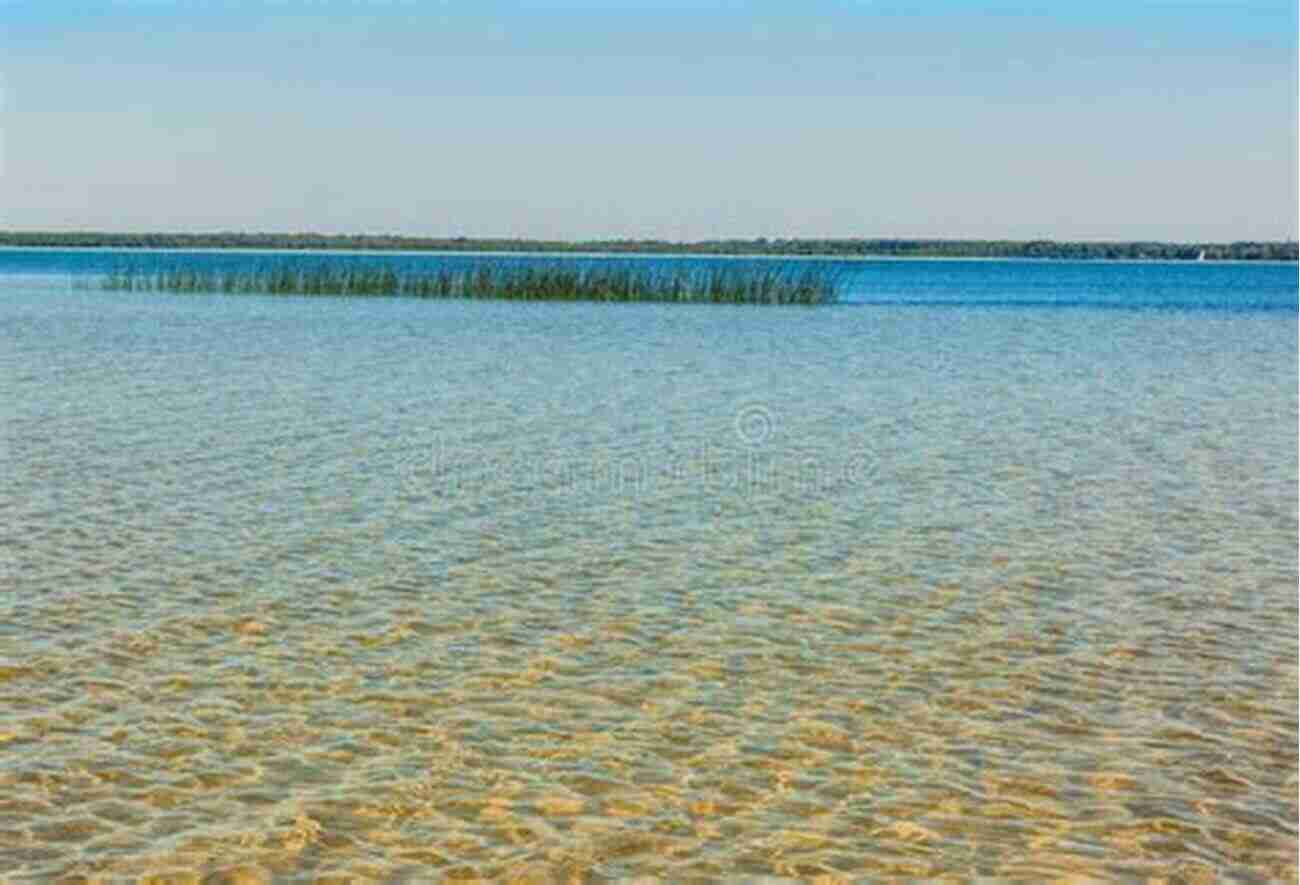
x=1240, y=251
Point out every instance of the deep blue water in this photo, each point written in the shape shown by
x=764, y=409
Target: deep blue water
x=1184, y=286
x=949, y=581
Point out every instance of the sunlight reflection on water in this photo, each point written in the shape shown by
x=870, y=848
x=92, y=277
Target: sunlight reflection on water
x=343, y=589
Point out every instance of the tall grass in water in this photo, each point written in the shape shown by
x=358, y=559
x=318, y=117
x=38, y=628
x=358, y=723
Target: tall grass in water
x=740, y=284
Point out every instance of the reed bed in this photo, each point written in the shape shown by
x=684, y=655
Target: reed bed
x=741, y=284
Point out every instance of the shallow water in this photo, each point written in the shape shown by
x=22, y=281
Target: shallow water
x=325, y=587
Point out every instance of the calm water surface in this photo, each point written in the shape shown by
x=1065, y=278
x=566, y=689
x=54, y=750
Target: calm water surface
x=991, y=576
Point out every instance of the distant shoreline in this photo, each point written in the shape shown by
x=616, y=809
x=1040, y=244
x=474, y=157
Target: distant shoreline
x=793, y=248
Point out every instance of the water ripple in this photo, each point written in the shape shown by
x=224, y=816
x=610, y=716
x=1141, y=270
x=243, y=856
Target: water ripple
x=361, y=591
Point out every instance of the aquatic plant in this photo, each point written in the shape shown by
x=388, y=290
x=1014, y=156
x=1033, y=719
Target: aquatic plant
x=806, y=284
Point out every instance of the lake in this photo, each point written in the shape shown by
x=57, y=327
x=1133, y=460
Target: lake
x=990, y=570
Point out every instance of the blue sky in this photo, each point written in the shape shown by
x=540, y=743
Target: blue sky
x=1104, y=120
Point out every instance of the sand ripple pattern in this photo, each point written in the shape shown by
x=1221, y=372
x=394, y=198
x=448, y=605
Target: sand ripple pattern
x=346, y=591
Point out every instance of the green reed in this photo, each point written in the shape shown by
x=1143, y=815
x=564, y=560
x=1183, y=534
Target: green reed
x=740, y=284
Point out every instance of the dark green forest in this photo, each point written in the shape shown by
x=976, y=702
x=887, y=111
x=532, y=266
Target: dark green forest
x=845, y=248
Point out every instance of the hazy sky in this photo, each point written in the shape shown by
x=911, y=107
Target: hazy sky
x=1097, y=120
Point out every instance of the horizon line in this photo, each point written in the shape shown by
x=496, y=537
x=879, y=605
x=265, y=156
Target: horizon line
x=615, y=240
